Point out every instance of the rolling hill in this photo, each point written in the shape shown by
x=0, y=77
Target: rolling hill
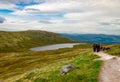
x=19, y=41
x=94, y=38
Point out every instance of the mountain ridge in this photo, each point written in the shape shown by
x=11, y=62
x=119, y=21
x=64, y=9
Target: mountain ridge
x=93, y=38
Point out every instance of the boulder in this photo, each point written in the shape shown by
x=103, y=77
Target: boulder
x=65, y=69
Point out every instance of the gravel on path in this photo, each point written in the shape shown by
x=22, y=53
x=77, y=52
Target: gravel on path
x=110, y=69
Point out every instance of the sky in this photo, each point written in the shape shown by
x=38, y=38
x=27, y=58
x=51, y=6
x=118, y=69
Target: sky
x=61, y=16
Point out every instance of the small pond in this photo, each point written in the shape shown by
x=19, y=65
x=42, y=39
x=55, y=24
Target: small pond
x=53, y=47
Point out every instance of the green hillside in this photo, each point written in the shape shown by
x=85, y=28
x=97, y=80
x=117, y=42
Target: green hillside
x=44, y=66
x=19, y=41
x=114, y=50
x=18, y=64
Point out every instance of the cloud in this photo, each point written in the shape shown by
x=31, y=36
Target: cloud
x=22, y=1
x=113, y=22
x=8, y=6
x=105, y=23
x=82, y=15
x=51, y=6
x=73, y=6
x=56, y=6
x=2, y=20
x=72, y=16
x=17, y=4
x=45, y=22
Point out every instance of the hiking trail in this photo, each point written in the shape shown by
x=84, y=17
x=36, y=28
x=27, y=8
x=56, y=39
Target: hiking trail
x=110, y=69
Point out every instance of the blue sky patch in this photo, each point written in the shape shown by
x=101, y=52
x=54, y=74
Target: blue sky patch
x=5, y=11
x=23, y=4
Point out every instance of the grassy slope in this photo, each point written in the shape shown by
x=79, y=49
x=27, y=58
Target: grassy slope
x=44, y=66
x=19, y=41
x=27, y=66
x=114, y=50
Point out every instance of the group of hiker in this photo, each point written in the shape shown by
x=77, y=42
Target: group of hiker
x=98, y=48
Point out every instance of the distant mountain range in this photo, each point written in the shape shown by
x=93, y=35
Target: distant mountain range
x=93, y=38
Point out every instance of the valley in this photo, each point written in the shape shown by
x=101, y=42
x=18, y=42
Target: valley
x=19, y=64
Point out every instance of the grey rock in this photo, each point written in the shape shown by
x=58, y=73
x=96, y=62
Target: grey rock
x=114, y=58
x=65, y=69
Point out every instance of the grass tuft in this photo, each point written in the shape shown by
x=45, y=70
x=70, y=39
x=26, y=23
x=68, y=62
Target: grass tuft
x=114, y=50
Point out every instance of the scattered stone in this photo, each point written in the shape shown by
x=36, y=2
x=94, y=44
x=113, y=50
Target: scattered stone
x=65, y=69
x=114, y=58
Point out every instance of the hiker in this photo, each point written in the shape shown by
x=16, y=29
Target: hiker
x=105, y=48
x=96, y=47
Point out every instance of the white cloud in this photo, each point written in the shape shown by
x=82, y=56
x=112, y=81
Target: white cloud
x=11, y=4
x=8, y=6
x=82, y=15
x=78, y=16
x=18, y=12
x=56, y=6
x=57, y=26
x=51, y=7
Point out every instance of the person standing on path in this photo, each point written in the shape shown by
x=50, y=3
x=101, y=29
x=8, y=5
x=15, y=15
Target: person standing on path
x=96, y=47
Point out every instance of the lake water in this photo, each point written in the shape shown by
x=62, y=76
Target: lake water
x=54, y=47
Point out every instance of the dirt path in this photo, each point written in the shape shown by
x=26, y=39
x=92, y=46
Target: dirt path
x=110, y=70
